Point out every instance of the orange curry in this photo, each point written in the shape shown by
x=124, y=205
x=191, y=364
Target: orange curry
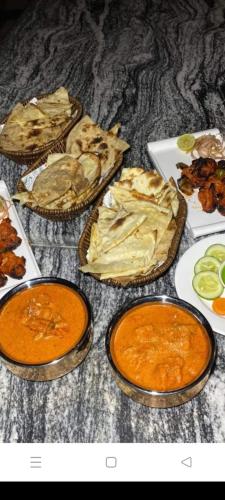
x=42, y=323
x=160, y=347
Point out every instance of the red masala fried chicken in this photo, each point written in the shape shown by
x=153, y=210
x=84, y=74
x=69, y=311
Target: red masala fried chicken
x=191, y=173
x=209, y=177
x=207, y=198
x=219, y=186
x=12, y=265
x=8, y=236
x=205, y=166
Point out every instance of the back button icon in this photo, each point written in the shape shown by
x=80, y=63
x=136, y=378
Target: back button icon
x=187, y=462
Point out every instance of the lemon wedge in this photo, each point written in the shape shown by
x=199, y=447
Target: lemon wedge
x=186, y=142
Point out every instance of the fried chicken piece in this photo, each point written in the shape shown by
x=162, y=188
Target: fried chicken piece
x=219, y=185
x=12, y=265
x=203, y=174
x=3, y=279
x=199, y=171
x=191, y=174
x=8, y=236
x=207, y=198
x=205, y=167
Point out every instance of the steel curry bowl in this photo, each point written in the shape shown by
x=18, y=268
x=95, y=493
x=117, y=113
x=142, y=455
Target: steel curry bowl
x=130, y=349
x=55, y=341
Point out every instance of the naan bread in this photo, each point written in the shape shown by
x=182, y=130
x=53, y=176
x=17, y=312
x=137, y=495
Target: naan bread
x=91, y=167
x=31, y=126
x=131, y=256
x=25, y=114
x=87, y=136
x=110, y=233
x=134, y=232
x=130, y=199
x=148, y=183
x=56, y=105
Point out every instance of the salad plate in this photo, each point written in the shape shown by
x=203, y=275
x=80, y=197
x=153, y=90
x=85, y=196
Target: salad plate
x=184, y=275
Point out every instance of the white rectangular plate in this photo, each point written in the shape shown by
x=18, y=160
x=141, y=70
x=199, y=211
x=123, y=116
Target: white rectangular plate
x=165, y=155
x=24, y=249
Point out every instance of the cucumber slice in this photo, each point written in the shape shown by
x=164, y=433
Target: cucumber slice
x=217, y=251
x=207, y=263
x=222, y=273
x=207, y=285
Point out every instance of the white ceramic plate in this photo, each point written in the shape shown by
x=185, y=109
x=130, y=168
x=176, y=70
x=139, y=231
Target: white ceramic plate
x=183, y=281
x=165, y=155
x=24, y=249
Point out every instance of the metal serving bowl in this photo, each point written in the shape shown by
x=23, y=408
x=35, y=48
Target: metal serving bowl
x=62, y=365
x=159, y=399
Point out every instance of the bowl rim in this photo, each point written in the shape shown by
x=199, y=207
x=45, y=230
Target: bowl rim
x=48, y=280
x=164, y=299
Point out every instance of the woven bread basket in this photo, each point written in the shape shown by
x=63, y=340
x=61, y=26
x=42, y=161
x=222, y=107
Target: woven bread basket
x=70, y=213
x=156, y=272
x=28, y=157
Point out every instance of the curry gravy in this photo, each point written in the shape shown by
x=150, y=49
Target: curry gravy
x=42, y=323
x=160, y=347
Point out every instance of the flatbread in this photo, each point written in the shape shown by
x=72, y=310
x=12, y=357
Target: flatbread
x=108, y=235
x=149, y=183
x=56, y=105
x=87, y=136
x=130, y=199
x=64, y=182
x=133, y=234
x=91, y=167
x=54, y=181
x=31, y=126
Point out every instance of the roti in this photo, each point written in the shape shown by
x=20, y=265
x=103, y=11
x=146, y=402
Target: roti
x=64, y=182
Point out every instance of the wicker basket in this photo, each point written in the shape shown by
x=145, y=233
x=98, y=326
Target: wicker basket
x=154, y=273
x=70, y=213
x=28, y=157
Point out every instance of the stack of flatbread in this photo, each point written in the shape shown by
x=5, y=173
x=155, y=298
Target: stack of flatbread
x=64, y=182
x=33, y=125
x=70, y=177
x=135, y=226
x=87, y=136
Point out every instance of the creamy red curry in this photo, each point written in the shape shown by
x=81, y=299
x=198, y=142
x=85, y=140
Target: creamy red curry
x=160, y=347
x=42, y=323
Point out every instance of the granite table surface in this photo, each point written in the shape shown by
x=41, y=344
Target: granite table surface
x=158, y=67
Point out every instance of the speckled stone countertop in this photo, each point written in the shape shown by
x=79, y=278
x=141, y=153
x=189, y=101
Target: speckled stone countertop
x=159, y=68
